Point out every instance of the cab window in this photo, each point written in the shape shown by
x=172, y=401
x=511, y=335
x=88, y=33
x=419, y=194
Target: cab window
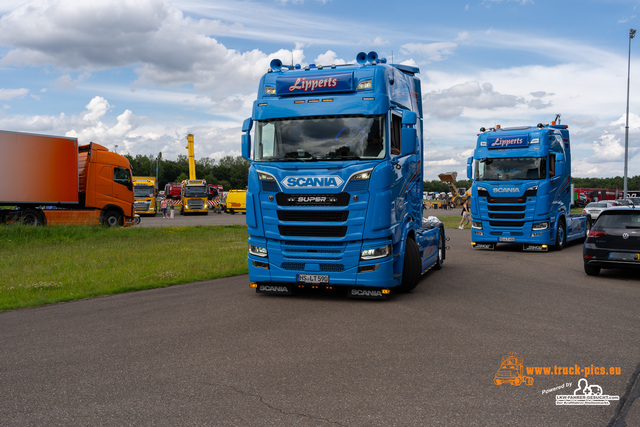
x=396, y=125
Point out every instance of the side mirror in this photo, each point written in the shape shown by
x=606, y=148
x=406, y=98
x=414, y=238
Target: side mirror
x=470, y=168
x=246, y=138
x=409, y=136
x=409, y=118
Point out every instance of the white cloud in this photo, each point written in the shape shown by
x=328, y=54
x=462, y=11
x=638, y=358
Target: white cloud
x=7, y=94
x=432, y=51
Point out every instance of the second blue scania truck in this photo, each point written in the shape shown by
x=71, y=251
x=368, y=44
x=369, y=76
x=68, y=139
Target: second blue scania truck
x=522, y=188
x=335, y=185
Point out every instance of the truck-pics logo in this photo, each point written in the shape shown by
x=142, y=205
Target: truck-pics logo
x=312, y=182
x=512, y=371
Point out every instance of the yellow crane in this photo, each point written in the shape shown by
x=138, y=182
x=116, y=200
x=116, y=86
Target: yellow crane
x=192, y=157
x=194, y=191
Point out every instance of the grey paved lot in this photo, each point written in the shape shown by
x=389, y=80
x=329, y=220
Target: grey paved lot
x=215, y=353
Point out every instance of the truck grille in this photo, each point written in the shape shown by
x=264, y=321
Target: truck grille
x=325, y=268
x=506, y=215
x=313, y=231
x=341, y=199
x=196, y=204
x=141, y=206
x=517, y=224
x=313, y=216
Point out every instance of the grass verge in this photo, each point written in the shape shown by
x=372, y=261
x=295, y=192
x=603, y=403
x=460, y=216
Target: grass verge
x=43, y=265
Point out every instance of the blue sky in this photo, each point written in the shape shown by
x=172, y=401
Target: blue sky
x=143, y=74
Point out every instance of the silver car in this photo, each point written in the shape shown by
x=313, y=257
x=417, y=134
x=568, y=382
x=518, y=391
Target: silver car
x=594, y=208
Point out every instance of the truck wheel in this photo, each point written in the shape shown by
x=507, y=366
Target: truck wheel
x=112, y=219
x=591, y=270
x=561, y=236
x=411, y=267
x=31, y=217
x=442, y=250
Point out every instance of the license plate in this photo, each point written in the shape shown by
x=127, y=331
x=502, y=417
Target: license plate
x=312, y=278
x=507, y=239
x=624, y=256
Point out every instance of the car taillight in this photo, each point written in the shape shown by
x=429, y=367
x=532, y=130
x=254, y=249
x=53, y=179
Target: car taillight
x=594, y=233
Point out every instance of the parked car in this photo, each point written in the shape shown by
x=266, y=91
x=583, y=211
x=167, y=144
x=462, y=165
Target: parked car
x=595, y=208
x=635, y=201
x=613, y=241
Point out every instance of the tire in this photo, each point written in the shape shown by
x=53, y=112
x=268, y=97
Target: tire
x=136, y=220
x=31, y=217
x=561, y=236
x=442, y=250
x=591, y=270
x=112, y=218
x=411, y=267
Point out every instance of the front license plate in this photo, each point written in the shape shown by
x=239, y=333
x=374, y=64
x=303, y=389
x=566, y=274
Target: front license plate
x=312, y=278
x=507, y=239
x=624, y=256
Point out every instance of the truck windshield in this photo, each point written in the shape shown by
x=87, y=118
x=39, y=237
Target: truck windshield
x=143, y=191
x=511, y=169
x=320, y=138
x=195, y=191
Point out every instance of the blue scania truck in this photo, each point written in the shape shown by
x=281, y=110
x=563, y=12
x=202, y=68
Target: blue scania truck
x=522, y=188
x=334, y=196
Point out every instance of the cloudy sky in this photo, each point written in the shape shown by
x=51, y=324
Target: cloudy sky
x=142, y=74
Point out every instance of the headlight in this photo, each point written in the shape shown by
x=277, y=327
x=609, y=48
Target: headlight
x=376, y=253
x=476, y=224
x=269, y=90
x=263, y=176
x=365, y=84
x=361, y=175
x=258, y=251
x=540, y=225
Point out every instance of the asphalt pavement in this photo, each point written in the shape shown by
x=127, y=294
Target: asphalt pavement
x=216, y=353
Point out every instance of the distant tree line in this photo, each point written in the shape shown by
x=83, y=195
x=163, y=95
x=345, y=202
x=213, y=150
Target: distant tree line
x=442, y=187
x=633, y=183
x=229, y=172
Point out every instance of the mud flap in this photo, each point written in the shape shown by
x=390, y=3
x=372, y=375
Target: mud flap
x=368, y=293
x=535, y=248
x=486, y=246
x=274, y=289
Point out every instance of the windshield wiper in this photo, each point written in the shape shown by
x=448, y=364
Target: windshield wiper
x=341, y=158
